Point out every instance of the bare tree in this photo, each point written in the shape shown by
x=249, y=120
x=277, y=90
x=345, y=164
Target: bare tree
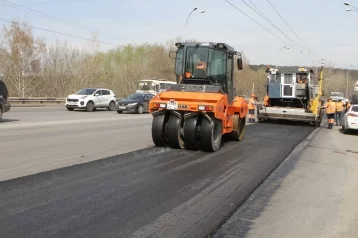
x=22, y=60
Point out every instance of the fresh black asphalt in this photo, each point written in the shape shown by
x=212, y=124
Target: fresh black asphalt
x=154, y=192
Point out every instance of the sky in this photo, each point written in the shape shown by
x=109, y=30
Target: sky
x=324, y=26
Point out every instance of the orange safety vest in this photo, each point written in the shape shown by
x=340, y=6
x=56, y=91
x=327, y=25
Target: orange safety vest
x=201, y=65
x=339, y=106
x=251, y=104
x=266, y=100
x=330, y=107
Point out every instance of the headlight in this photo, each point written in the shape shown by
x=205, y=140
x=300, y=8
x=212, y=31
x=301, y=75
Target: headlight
x=132, y=104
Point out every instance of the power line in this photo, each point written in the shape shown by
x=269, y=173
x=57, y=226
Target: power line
x=292, y=29
x=47, y=16
x=50, y=3
x=61, y=33
x=263, y=27
x=267, y=19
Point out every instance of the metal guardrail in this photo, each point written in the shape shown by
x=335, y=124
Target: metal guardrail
x=39, y=100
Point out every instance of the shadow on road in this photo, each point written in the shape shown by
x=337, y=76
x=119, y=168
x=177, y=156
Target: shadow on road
x=8, y=120
x=104, y=110
x=350, y=132
x=285, y=122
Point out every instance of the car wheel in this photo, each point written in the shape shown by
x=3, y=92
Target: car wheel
x=111, y=106
x=0, y=113
x=69, y=108
x=120, y=111
x=90, y=106
x=140, y=109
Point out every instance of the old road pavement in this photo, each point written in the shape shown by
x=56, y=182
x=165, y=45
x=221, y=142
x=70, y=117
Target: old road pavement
x=151, y=192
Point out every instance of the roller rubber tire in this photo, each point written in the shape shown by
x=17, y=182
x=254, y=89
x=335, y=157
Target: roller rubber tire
x=172, y=133
x=238, y=132
x=190, y=133
x=158, y=130
x=242, y=128
x=210, y=135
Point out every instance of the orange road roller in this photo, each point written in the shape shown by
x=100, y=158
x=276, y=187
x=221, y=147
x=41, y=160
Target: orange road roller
x=202, y=107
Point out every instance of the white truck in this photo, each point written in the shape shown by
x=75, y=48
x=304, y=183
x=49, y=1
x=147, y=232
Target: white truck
x=337, y=96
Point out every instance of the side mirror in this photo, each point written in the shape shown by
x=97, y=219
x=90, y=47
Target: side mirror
x=173, y=54
x=239, y=64
x=97, y=94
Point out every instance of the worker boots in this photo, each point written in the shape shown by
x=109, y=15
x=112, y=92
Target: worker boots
x=330, y=125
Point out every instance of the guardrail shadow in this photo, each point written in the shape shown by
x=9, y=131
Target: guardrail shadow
x=4, y=120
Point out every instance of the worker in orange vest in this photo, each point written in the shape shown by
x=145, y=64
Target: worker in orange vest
x=266, y=100
x=339, y=112
x=251, y=108
x=330, y=107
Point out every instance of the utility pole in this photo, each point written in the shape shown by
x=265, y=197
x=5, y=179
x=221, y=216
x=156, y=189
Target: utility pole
x=347, y=80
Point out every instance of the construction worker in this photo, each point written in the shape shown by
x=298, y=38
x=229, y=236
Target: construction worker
x=251, y=107
x=201, y=65
x=339, y=112
x=266, y=100
x=347, y=106
x=330, y=107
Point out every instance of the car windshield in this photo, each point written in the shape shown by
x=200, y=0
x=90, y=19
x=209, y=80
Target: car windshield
x=135, y=97
x=86, y=91
x=355, y=109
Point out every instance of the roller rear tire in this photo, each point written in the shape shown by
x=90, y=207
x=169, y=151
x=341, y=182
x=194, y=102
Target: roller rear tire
x=238, y=132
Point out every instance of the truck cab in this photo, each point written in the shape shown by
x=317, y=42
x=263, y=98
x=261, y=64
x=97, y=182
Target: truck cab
x=290, y=87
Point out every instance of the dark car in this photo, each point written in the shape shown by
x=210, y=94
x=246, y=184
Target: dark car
x=4, y=99
x=137, y=102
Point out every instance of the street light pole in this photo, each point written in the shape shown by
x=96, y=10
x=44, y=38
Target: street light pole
x=278, y=62
x=351, y=10
x=186, y=23
x=347, y=80
x=348, y=4
x=322, y=64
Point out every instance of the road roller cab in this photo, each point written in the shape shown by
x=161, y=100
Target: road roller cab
x=202, y=107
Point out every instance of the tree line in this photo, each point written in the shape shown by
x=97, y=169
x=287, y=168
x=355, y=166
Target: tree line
x=33, y=68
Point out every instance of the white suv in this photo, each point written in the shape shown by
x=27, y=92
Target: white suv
x=92, y=98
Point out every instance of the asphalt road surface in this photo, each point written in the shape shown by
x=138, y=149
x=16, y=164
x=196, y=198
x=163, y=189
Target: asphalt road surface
x=312, y=194
x=153, y=192
x=34, y=140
